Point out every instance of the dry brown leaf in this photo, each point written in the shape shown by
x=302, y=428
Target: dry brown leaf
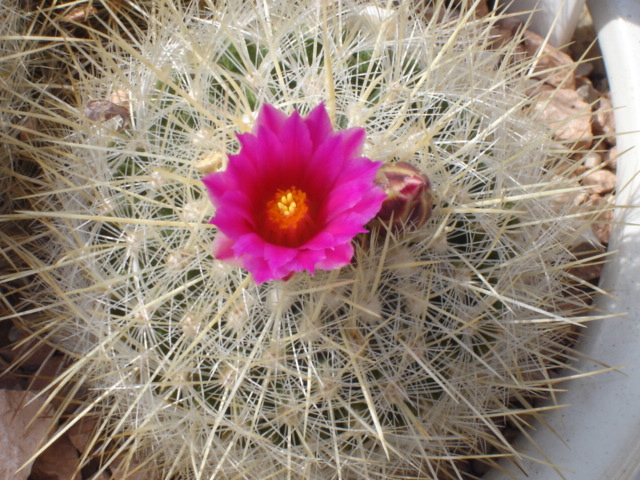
x=28, y=354
x=121, y=98
x=125, y=468
x=28, y=129
x=603, y=225
x=588, y=270
x=58, y=462
x=504, y=30
x=80, y=434
x=22, y=431
x=481, y=9
x=48, y=371
x=79, y=14
x=103, y=110
x=101, y=476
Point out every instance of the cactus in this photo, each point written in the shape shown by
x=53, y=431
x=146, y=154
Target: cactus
x=401, y=364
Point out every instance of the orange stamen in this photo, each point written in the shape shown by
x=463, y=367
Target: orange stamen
x=287, y=208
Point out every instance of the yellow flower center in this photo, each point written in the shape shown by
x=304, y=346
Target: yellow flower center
x=287, y=208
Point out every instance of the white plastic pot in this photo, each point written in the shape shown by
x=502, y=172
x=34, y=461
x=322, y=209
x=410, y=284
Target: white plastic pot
x=557, y=18
x=597, y=434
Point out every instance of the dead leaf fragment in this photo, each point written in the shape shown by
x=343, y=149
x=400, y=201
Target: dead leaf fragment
x=28, y=129
x=79, y=14
x=23, y=351
x=58, y=462
x=82, y=432
x=603, y=227
x=126, y=468
x=481, y=9
x=120, y=97
x=22, y=431
x=587, y=269
x=504, y=30
x=48, y=371
x=103, y=110
x=100, y=476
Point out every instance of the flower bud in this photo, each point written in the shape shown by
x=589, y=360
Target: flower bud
x=408, y=203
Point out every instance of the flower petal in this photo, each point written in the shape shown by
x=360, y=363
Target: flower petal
x=352, y=141
x=319, y=124
x=338, y=256
x=334, y=196
x=271, y=118
x=347, y=195
x=326, y=163
x=222, y=248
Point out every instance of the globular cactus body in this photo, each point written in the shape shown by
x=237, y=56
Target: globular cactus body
x=398, y=365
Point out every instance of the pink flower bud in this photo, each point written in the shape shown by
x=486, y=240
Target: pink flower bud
x=408, y=203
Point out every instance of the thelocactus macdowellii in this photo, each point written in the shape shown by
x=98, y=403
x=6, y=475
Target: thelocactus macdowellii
x=198, y=206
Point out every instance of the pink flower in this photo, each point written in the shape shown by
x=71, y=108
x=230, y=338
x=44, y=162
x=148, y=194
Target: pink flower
x=294, y=196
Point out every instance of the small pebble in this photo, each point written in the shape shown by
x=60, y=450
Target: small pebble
x=600, y=182
x=610, y=158
x=553, y=66
x=591, y=160
x=603, y=122
x=588, y=93
x=568, y=114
